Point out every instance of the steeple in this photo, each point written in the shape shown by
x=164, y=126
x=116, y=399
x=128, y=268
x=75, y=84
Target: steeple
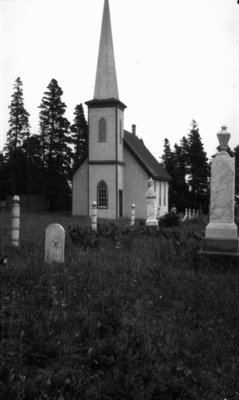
x=106, y=86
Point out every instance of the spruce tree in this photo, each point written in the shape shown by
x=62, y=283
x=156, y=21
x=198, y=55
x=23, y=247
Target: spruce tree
x=18, y=122
x=18, y=132
x=169, y=165
x=79, y=131
x=198, y=168
x=55, y=139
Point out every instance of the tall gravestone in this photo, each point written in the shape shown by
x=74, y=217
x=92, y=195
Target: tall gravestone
x=151, y=205
x=55, y=244
x=221, y=232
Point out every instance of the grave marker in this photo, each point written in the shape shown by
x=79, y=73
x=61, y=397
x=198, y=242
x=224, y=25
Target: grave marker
x=151, y=205
x=221, y=232
x=15, y=221
x=132, y=215
x=55, y=244
x=94, y=216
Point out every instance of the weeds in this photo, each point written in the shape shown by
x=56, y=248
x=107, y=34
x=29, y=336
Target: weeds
x=128, y=316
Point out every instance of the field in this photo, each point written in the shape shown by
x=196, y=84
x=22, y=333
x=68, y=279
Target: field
x=132, y=314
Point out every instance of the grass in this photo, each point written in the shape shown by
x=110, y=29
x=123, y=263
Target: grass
x=135, y=316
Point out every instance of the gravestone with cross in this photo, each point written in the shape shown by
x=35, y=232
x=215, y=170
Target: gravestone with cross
x=55, y=244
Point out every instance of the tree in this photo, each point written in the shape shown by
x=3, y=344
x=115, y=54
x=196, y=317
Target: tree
x=33, y=164
x=18, y=132
x=198, y=168
x=19, y=123
x=79, y=133
x=55, y=140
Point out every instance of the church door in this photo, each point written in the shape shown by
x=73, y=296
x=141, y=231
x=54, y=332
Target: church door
x=121, y=203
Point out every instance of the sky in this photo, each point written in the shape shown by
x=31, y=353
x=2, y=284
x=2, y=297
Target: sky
x=176, y=60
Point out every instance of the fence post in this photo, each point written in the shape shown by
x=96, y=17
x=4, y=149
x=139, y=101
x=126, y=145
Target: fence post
x=15, y=221
x=132, y=215
x=94, y=216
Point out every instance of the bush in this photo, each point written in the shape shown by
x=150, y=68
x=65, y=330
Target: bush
x=169, y=219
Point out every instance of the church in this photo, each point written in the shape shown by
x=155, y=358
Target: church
x=116, y=170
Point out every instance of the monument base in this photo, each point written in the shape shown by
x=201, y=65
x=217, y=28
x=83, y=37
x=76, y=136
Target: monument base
x=221, y=230
x=220, y=245
x=151, y=222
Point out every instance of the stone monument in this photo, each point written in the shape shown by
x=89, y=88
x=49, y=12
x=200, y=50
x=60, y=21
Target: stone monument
x=221, y=232
x=55, y=244
x=151, y=205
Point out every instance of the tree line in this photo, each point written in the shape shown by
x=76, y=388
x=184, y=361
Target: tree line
x=41, y=164
x=189, y=168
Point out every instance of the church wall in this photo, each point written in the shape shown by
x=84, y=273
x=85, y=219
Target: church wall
x=106, y=150
x=80, y=190
x=135, y=187
x=106, y=173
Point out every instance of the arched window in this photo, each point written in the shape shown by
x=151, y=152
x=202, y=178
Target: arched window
x=102, y=130
x=102, y=195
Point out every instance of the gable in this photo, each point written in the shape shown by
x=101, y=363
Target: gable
x=144, y=157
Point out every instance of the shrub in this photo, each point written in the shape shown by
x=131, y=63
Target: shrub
x=169, y=219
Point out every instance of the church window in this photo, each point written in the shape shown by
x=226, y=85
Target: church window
x=102, y=130
x=102, y=195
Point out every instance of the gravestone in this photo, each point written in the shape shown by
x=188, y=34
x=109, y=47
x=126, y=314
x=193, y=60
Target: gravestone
x=94, y=216
x=151, y=205
x=221, y=232
x=55, y=244
x=15, y=221
x=132, y=215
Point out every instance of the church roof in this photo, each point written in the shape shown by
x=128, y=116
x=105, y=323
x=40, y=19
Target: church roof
x=106, y=86
x=144, y=157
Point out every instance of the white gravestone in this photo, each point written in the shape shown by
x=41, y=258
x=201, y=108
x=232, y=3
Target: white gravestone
x=55, y=244
x=221, y=232
x=132, y=215
x=94, y=216
x=15, y=221
x=151, y=205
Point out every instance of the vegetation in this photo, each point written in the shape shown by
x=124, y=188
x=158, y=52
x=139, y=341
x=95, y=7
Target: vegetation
x=134, y=314
x=41, y=164
x=79, y=134
x=189, y=168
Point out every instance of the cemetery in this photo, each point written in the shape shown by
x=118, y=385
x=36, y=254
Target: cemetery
x=119, y=274
x=93, y=308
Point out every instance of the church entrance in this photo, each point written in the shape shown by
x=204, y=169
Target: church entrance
x=120, y=203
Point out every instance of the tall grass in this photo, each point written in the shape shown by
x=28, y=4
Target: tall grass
x=136, y=316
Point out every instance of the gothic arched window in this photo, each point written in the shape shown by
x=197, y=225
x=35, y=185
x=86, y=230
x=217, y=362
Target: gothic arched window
x=102, y=130
x=102, y=195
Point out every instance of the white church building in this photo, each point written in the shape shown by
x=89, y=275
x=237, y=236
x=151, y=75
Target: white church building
x=116, y=170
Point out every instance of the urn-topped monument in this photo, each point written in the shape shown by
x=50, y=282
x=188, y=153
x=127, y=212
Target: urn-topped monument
x=221, y=232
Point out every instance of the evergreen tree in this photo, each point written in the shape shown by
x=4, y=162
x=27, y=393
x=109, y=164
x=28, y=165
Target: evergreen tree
x=79, y=133
x=19, y=123
x=18, y=132
x=198, y=168
x=169, y=164
x=33, y=164
x=55, y=139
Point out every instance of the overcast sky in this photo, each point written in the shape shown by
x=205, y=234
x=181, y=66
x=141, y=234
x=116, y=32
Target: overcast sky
x=176, y=60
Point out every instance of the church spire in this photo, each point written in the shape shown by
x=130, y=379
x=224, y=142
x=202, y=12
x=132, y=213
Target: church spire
x=106, y=86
